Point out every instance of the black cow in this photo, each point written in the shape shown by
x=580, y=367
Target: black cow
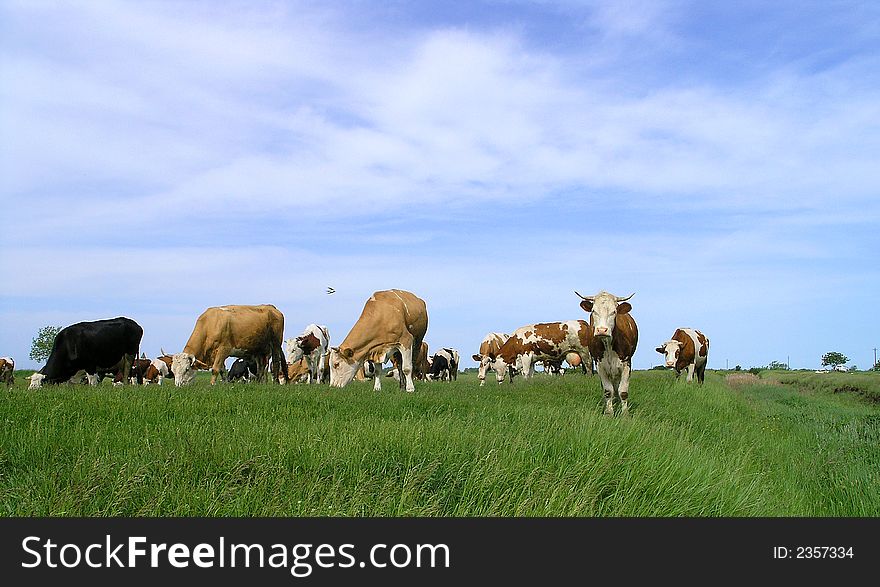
x=111, y=344
x=243, y=369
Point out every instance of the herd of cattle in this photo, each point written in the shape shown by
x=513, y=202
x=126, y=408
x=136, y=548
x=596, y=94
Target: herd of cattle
x=391, y=326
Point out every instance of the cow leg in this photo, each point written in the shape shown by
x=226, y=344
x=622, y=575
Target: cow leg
x=397, y=358
x=623, y=389
x=406, y=371
x=218, y=368
x=525, y=362
x=690, y=376
x=127, y=361
x=314, y=364
x=319, y=371
x=377, y=380
x=701, y=373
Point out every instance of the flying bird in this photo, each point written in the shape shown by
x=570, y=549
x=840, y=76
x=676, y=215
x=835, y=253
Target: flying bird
x=330, y=290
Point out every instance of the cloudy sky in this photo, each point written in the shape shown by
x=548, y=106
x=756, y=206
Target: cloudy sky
x=719, y=159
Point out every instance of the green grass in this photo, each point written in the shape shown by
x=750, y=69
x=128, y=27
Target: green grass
x=863, y=383
x=539, y=448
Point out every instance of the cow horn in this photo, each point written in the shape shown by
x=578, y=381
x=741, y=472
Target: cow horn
x=589, y=299
x=164, y=354
x=620, y=299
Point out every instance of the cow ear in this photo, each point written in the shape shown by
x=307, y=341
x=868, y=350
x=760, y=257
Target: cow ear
x=660, y=350
x=347, y=352
x=624, y=308
x=477, y=358
x=587, y=305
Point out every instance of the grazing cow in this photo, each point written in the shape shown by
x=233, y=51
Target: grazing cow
x=444, y=365
x=391, y=325
x=440, y=366
x=490, y=345
x=547, y=341
x=613, y=339
x=136, y=374
x=111, y=344
x=312, y=345
x=454, y=361
x=7, y=370
x=232, y=331
x=687, y=349
x=245, y=369
x=298, y=371
x=159, y=369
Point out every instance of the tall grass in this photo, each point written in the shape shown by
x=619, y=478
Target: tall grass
x=538, y=448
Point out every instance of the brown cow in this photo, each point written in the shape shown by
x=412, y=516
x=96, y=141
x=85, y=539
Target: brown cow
x=7, y=370
x=613, y=339
x=232, y=331
x=298, y=371
x=391, y=325
x=688, y=349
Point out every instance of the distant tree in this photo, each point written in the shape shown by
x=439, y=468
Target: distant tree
x=833, y=359
x=41, y=346
x=876, y=366
x=779, y=365
x=738, y=368
x=658, y=368
x=755, y=370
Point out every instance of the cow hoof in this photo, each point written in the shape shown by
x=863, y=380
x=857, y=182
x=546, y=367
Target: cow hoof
x=625, y=414
x=609, y=412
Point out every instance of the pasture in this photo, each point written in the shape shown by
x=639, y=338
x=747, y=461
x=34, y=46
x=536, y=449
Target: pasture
x=537, y=448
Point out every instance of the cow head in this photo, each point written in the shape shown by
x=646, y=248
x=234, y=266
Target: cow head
x=670, y=349
x=294, y=349
x=497, y=364
x=604, y=308
x=342, y=366
x=184, y=367
x=36, y=380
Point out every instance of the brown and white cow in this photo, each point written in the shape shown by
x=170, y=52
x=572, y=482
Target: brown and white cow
x=7, y=370
x=159, y=369
x=547, y=341
x=687, y=349
x=391, y=325
x=312, y=345
x=136, y=372
x=232, y=331
x=489, y=346
x=613, y=339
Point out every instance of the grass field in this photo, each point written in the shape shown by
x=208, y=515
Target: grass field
x=538, y=448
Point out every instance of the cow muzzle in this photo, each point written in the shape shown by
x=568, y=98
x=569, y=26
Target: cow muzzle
x=601, y=331
x=670, y=363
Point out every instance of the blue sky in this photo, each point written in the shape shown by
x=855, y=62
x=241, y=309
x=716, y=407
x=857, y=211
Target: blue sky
x=718, y=159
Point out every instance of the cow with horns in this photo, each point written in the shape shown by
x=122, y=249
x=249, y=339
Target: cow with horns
x=613, y=339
